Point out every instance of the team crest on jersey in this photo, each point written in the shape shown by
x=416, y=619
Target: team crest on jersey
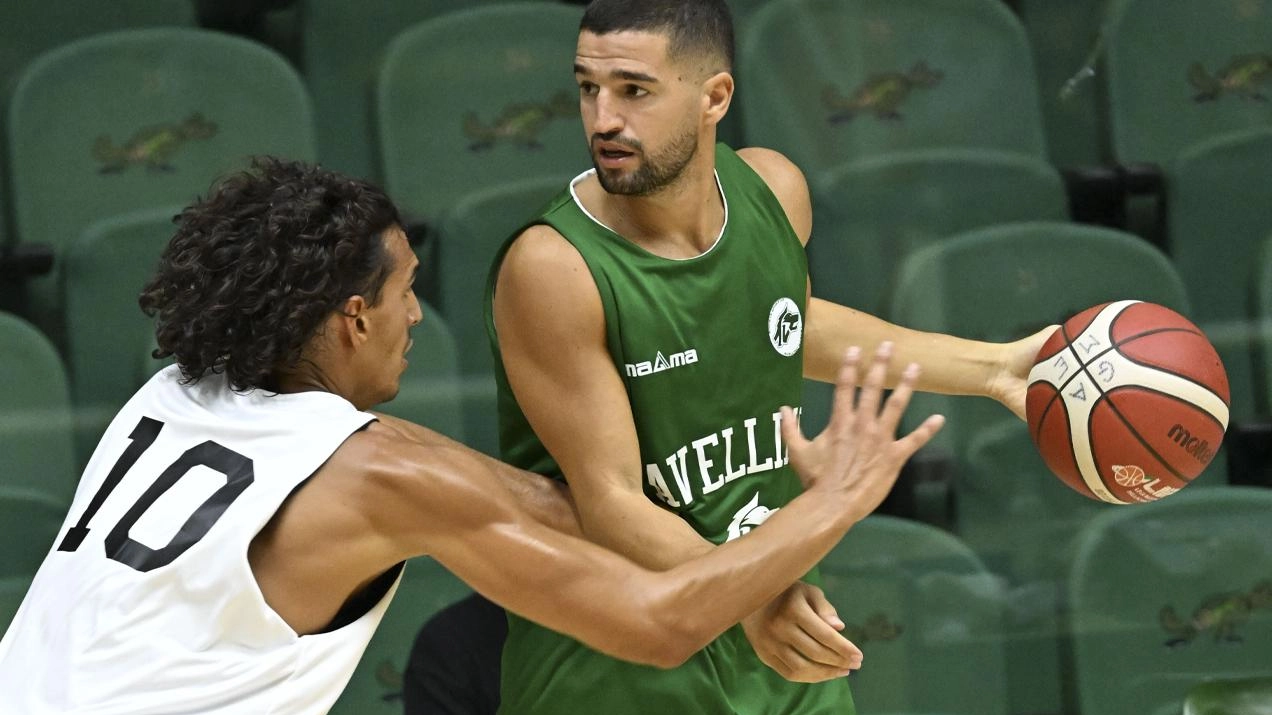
x=749, y=516
x=785, y=327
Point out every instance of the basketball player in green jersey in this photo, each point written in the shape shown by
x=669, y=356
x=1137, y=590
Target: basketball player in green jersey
x=647, y=327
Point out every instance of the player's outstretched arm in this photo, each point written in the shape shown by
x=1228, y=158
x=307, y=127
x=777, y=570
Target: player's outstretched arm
x=951, y=365
x=478, y=531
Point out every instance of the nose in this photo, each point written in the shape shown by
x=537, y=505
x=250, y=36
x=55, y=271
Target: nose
x=416, y=314
x=608, y=121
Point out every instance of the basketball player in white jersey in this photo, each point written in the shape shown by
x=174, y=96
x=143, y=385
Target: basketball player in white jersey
x=239, y=531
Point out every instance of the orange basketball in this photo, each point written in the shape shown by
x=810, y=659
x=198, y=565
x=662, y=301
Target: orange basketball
x=1127, y=402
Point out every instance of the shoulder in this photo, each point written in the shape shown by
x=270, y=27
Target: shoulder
x=543, y=273
x=787, y=183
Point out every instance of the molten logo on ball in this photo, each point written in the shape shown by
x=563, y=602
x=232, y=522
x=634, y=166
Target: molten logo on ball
x=1198, y=448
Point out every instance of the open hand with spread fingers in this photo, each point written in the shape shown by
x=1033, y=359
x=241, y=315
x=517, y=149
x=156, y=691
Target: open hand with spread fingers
x=858, y=452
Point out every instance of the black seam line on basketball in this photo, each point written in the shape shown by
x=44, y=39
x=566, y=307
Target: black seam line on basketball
x=1117, y=413
x=1135, y=433
x=1178, y=399
x=1122, y=342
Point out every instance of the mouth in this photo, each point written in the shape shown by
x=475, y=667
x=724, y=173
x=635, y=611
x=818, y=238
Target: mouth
x=611, y=154
x=409, y=344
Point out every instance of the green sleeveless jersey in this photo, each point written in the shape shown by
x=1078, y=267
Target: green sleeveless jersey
x=709, y=349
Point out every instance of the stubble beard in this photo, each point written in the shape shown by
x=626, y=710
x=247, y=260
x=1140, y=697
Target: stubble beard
x=656, y=172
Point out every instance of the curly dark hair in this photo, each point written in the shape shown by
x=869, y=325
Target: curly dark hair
x=256, y=267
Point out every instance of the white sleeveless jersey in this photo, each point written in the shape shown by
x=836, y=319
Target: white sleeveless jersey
x=146, y=602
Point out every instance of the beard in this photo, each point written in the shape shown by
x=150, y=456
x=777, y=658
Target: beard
x=656, y=172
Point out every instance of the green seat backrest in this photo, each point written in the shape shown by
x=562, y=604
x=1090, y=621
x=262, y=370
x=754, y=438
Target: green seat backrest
x=1218, y=217
x=12, y=591
x=1231, y=696
x=342, y=44
x=29, y=524
x=1166, y=594
x=1015, y=513
x=1063, y=35
x=35, y=414
x=873, y=211
x=1263, y=297
x=137, y=119
x=828, y=81
x=376, y=686
x=430, y=389
x=468, y=237
x=32, y=27
x=1165, y=56
x=926, y=613
x=1006, y=282
x=497, y=102
x=103, y=275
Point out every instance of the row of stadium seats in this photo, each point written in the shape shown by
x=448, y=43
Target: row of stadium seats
x=964, y=153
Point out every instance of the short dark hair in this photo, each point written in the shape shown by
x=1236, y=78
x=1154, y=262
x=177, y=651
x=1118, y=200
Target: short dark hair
x=255, y=268
x=693, y=27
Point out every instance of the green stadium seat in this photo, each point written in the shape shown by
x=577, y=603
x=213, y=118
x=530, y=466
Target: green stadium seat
x=32, y=27
x=342, y=44
x=376, y=686
x=136, y=119
x=836, y=80
x=35, y=415
x=871, y=212
x=926, y=613
x=469, y=235
x=1231, y=696
x=498, y=102
x=29, y=523
x=1167, y=594
x=1218, y=218
x=430, y=392
x=12, y=591
x=1063, y=36
x=1263, y=298
x=103, y=274
x=1178, y=73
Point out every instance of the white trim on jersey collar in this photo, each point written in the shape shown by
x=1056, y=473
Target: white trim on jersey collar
x=723, y=200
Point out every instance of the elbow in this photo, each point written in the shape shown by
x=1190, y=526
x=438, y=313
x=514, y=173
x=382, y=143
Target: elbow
x=670, y=634
x=679, y=638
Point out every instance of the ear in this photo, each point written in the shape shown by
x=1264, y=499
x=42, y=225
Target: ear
x=717, y=95
x=353, y=320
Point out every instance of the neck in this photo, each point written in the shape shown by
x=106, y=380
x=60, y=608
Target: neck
x=308, y=377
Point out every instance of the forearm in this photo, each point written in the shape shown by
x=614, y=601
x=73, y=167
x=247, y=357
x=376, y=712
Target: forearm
x=629, y=523
x=952, y=366
x=768, y=560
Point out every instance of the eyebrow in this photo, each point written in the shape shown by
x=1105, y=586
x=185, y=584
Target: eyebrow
x=620, y=74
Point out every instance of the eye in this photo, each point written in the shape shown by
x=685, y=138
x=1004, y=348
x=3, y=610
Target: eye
x=634, y=90
x=587, y=88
